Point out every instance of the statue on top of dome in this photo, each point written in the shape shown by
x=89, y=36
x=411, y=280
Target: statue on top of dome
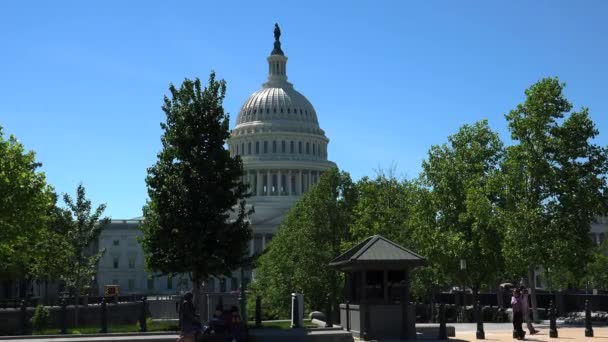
x=277, y=44
x=277, y=32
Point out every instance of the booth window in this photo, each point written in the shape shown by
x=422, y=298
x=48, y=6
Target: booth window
x=374, y=285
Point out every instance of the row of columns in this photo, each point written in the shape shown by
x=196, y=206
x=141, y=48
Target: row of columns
x=262, y=182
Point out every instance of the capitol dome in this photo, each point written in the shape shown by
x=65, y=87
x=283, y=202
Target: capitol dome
x=277, y=135
x=283, y=148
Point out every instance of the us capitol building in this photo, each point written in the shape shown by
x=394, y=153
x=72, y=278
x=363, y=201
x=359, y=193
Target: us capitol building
x=284, y=153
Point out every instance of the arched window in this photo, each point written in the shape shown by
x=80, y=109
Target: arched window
x=291, y=147
x=257, y=147
x=314, y=149
x=265, y=146
x=307, y=148
x=274, y=146
x=300, y=147
x=283, y=146
x=249, y=148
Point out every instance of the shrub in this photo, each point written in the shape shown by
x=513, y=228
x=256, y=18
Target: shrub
x=41, y=318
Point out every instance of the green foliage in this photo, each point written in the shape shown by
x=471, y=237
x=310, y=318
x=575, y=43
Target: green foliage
x=25, y=199
x=383, y=207
x=82, y=228
x=554, y=182
x=456, y=216
x=41, y=318
x=596, y=273
x=296, y=260
x=195, y=219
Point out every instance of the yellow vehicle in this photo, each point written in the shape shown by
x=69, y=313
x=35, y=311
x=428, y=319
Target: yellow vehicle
x=111, y=290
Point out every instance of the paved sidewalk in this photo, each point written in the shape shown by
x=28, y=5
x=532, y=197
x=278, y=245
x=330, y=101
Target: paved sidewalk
x=569, y=334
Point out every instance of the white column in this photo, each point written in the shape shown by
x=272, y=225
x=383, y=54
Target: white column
x=279, y=182
x=267, y=182
x=259, y=183
x=309, y=185
x=299, y=182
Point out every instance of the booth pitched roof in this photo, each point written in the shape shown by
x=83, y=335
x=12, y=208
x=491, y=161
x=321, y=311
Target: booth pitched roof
x=376, y=250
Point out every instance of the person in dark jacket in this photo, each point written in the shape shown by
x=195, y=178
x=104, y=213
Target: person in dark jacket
x=190, y=322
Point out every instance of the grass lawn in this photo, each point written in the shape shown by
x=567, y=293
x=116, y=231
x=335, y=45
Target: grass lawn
x=152, y=326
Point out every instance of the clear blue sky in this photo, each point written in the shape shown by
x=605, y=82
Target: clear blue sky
x=82, y=82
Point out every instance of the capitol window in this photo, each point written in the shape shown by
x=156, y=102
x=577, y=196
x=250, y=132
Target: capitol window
x=257, y=147
x=115, y=262
x=265, y=146
x=291, y=147
x=243, y=148
x=307, y=148
x=274, y=146
x=283, y=146
x=116, y=242
x=314, y=149
x=300, y=147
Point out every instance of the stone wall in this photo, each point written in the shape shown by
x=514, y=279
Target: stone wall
x=118, y=314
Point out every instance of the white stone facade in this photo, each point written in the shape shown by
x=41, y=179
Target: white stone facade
x=123, y=263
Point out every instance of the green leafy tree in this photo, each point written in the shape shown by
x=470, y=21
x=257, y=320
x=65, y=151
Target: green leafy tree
x=53, y=253
x=596, y=274
x=554, y=181
x=195, y=219
x=308, y=239
x=25, y=199
x=382, y=208
x=82, y=229
x=463, y=194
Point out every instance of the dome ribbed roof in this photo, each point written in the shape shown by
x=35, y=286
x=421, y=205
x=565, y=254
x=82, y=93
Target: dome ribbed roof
x=277, y=103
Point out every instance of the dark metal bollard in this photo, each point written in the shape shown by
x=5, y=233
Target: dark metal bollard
x=443, y=333
x=295, y=313
x=481, y=335
x=347, y=315
x=258, y=311
x=328, y=320
x=63, y=317
x=588, y=327
x=142, y=318
x=103, y=315
x=23, y=318
x=552, y=324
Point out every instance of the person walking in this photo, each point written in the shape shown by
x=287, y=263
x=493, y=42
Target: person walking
x=190, y=322
x=517, y=307
x=526, y=310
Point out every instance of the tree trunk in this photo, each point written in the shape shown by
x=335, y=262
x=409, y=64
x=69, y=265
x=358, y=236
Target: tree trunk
x=499, y=296
x=532, y=285
x=196, y=291
x=76, y=301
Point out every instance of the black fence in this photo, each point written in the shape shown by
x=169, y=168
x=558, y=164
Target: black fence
x=34, y=301
x=567, y=302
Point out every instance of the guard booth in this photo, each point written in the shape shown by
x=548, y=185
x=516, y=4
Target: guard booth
x=377, y=276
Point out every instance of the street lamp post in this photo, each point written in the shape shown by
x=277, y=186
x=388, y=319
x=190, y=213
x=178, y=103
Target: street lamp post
x=463, y=268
